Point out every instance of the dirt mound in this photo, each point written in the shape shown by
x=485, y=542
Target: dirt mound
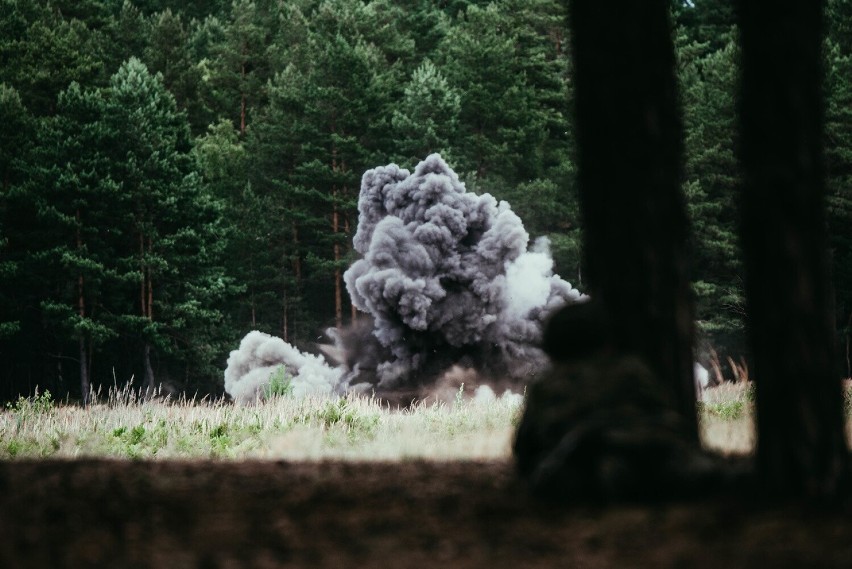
x=98, y=513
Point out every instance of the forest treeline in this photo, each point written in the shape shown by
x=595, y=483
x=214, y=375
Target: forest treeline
x=175, y=174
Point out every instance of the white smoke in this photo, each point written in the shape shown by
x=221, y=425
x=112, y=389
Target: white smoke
x=261, y=355
x=447, y=280
x=522, y=293
x=485, y=396
x=702, y=379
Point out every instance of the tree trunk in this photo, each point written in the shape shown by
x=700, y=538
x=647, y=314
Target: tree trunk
x=285, y=321
x=147, y=313
x=297, y=260
x=85, y=383
x=352, y=309
x=252, y=304
x=150, y=285
x=801, y=448
x=629, y=138
x=149, y=386
x=335, y=226
x=143, y=274
x=243, y=93
x=338, y=275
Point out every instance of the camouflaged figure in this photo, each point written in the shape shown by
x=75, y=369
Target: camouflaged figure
x=599, y=426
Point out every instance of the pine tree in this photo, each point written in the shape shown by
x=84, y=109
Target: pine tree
x=478, y=58
x=707, y=22
x=509, y=70
x=128, y=32
x=712, y=181
x=172, y=239
x=15, y=140
x=838, y=132
x=224, y=163
x=325, y=125
x=167, y=53
x=56, y=52
x=75, y=198
x=427, y=116
x=238, y=67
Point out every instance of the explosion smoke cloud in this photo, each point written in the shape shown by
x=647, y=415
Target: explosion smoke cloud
x=447, y=280
x=447, y=277
x=261, y=355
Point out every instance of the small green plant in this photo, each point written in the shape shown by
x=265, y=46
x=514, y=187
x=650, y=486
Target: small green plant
x=280, y=384
x=220, y=440
x=749, y=392
x=26, y=409
x=219, y=431
x=727, y=410
x=136, y=435
x=332, y=412
x=341, y=414
x=14, y=447
x=38, y=404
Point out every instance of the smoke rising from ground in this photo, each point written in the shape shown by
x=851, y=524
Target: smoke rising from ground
x=447, y=277
x=260, y=356
x=447, y=281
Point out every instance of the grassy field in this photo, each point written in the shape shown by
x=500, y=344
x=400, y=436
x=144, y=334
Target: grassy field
x=124, y=425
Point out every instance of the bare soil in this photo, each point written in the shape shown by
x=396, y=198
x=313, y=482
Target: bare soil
x=102, y=513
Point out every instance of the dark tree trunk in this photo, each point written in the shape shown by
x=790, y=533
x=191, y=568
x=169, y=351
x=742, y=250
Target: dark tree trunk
x=285, y=317
x=338, y=274
x=629, y=138
x=85, y=384
x=801, y=447
x=147, y=298
x=149, y=385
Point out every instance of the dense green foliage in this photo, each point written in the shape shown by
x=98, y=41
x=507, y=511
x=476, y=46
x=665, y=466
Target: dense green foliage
x=175, y=174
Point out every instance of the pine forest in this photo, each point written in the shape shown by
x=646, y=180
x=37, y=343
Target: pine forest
x=176, y=174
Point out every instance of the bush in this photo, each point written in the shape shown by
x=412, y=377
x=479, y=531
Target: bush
x=35, y=405
x=280, y=384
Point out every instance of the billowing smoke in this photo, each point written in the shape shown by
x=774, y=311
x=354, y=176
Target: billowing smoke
x=260, y=356
x=447, y=277
x=447, y=282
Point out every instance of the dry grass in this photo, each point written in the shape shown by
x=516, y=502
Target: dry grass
x=359, y=428
x=726, y=418
x=124, y=425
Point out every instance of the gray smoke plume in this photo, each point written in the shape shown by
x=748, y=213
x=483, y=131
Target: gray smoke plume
x=448, y=283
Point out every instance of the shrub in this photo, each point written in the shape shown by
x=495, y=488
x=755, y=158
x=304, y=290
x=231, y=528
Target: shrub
x=35, y=405
x=280, y=384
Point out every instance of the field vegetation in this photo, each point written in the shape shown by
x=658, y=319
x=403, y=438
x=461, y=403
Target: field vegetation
x=124, y=425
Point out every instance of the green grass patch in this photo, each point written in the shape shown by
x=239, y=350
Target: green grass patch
x=727, y=410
